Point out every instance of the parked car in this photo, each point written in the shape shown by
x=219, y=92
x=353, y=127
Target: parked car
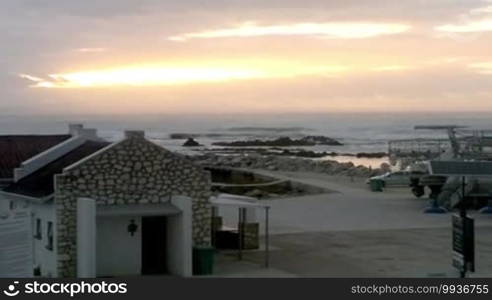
x=399, y=178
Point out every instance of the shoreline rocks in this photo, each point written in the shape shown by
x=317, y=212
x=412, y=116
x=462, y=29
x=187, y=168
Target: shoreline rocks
x=321, y=140
x=294, y=152
x=290, y=164
x=184, y=136
x=283, y=142
x=267, y=129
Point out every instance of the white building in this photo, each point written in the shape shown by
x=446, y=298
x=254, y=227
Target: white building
x=99, y=209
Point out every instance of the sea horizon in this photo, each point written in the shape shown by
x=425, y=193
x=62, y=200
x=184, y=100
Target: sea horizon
x=359, y=132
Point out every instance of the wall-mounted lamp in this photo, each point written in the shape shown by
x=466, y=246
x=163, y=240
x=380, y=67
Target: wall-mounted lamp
x=132, y=227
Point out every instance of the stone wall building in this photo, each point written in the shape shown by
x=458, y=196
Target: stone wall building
x=125, y=208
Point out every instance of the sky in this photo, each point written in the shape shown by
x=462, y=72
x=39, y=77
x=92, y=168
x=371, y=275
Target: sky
x=255, y=56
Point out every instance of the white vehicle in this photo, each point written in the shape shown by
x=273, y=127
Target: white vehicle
x=399, y=178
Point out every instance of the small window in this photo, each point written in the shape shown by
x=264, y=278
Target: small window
x=49, y=236
x=38, y=230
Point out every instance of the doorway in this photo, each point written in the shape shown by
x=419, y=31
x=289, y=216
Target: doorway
x=154, y=245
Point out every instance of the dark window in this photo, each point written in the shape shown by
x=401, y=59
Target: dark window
x=38, y=231
x=49, y=235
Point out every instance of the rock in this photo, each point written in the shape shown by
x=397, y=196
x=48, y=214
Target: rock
x=321, y=140
x=303, y=153
x=190, y=142
x=282, y=142
x=371, y=155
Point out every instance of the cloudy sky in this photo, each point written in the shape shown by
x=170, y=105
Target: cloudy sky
x=255, y=56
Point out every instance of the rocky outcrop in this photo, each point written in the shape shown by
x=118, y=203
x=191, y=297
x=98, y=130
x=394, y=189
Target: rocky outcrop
x=190, y=142
x=283, y=142
x=267, y=129
x=321, y=140
x=371, y=154
x=292, y=164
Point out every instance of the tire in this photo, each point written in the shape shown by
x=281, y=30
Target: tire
x=418, y=191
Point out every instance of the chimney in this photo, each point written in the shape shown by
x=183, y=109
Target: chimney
x=134, y=134
x=75, y=129
x=90, y=134
x=80, y=131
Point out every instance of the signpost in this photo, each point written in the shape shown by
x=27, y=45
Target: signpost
x=463, y=226
x=463, y=237
x=463, y=244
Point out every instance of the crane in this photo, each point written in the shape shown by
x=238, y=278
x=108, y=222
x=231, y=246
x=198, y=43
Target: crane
x=451, y=131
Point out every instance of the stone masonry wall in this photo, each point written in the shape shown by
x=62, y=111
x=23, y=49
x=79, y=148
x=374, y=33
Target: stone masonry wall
x=129, y=172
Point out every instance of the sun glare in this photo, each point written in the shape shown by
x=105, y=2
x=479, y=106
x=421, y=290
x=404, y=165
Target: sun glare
x=158, y=76
x=143, y=77
x=324, y=30
x=482, y=67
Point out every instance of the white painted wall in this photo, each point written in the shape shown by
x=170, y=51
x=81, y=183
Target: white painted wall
x=174, y=240
x=86, y=238
x=43, y=257
x=15, y=239
x=251, y=215
x=118, y=253
x=179, y=238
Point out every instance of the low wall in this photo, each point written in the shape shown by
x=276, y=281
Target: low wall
x=240, y=182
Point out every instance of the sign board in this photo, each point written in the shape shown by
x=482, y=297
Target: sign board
x=463, y=243
x=16, y=256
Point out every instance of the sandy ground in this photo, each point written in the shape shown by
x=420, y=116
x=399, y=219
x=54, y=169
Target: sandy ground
x=352, y=232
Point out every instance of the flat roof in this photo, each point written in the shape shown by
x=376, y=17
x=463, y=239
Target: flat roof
x=461, y=168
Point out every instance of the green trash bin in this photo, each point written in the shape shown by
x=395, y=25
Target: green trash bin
x=203, y=260
x=376, y=185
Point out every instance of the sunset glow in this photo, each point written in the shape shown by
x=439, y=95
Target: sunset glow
x=155, y=76
x=323, y=30
x=476, y=26
x=482, y=67
x=392, y=68
x=144, y=77
x=246, y=56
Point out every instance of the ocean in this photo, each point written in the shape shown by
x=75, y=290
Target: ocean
x=359, y=132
